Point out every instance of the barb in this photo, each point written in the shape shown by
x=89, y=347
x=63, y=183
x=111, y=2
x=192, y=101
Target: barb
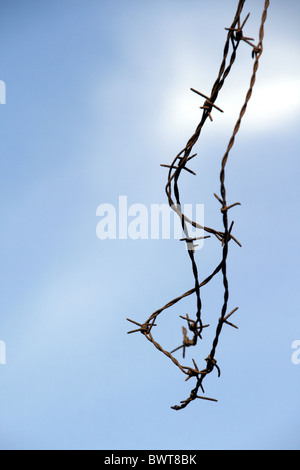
x=235, y=36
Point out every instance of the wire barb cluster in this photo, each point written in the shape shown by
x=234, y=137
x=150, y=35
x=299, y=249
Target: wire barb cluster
x=235, y=36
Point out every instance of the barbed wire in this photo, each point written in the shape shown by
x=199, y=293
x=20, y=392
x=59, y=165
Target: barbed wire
x=235, y=36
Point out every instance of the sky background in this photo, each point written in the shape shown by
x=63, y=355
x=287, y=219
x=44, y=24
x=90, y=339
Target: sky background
x=97, y=98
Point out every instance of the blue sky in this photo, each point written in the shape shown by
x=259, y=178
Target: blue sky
x=97, y=97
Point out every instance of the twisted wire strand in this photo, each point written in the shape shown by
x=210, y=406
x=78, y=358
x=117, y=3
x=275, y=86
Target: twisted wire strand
x=234, y=38
x=184, y=155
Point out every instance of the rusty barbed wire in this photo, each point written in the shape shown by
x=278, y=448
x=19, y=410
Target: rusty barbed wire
x=235, y=36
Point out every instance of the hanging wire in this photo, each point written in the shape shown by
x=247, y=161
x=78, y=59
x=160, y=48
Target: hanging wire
x=235, y=36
